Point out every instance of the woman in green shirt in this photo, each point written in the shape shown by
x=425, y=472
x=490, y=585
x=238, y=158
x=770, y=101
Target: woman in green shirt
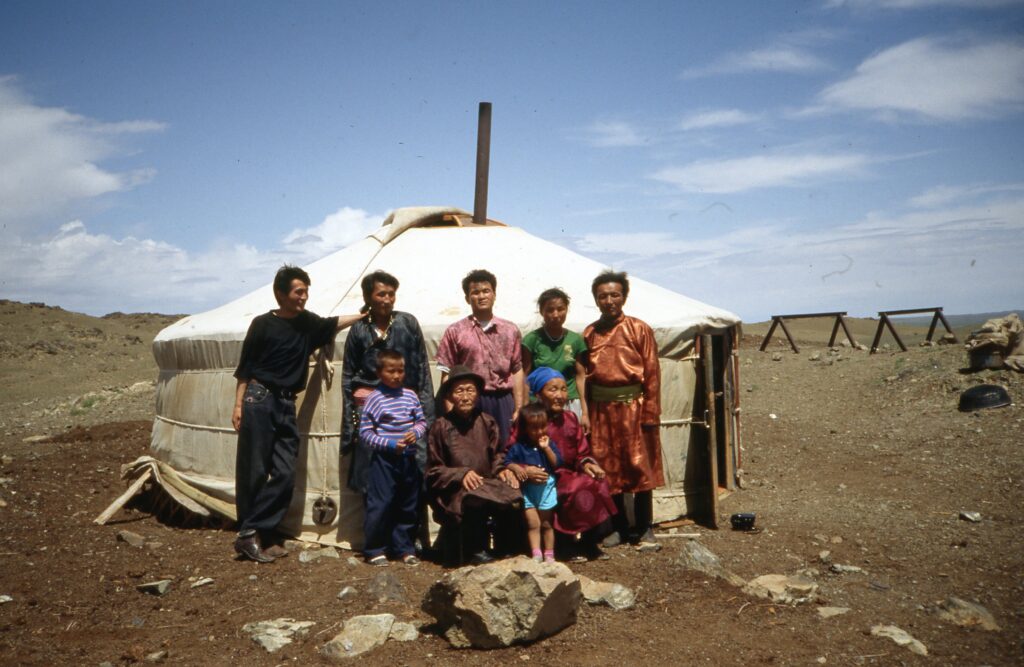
x=554, y=346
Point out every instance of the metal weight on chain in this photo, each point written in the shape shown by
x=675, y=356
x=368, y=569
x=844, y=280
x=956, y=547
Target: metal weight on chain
x=324, y=511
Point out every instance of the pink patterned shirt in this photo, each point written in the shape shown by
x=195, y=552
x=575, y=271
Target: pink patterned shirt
x=494, y=353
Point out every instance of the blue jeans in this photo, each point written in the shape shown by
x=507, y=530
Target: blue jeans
x=268, y=444
x=392, y=497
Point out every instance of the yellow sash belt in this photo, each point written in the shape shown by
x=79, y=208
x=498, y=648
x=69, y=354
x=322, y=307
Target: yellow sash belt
x=620, y=394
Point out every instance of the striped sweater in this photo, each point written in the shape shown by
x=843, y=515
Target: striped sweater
x=388, y=415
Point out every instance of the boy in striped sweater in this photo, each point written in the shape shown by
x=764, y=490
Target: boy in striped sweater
x=391, y=423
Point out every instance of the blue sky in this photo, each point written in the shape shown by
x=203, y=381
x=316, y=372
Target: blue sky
x=856, y=155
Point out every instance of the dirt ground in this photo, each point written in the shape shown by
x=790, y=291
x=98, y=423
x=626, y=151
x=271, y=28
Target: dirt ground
x=863, y=456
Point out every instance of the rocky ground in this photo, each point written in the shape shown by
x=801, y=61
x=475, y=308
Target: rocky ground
x=858, y=466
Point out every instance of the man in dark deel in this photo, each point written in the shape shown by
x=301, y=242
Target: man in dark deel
x=384, y=328
x=271, y=371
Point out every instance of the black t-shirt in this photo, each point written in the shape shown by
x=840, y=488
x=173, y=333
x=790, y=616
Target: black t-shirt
x=276, y=350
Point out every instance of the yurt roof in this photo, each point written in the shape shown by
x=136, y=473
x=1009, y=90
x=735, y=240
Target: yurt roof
x=430, y=249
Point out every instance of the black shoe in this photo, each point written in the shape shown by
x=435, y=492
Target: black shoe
x=248, y=547
x=481, y=558
x=647, y=536
x=613, y=540
x=593, y=552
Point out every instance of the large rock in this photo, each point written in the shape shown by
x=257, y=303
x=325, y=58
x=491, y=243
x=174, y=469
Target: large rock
x=965, y=613
x=696, y=556
x=616, y=596
x=361, y=634
x=275, y=634
x=514, y=601
x=781, y=588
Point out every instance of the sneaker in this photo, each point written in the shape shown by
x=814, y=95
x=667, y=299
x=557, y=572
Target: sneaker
x=378, y=561
x=411, y=560
x=248, y=548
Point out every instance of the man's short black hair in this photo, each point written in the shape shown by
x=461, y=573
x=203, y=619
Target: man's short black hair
x=479, y=276
x=609, y=276
x=370, y=279
x=552, y=293
x=285, y=275
x=384, y=356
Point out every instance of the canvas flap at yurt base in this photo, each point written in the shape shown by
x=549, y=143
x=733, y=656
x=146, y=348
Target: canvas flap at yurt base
x=429, y=250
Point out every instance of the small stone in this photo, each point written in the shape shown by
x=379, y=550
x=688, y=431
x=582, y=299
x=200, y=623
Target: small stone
x=294, y=545
x=818, y=537
x=329, y=552
x=202, y=581
x=154, y=546
x=134, y=539
x=6, y=460
x=4, y=599
x=253, y=577
x=385, y=587
x=839, y=568
x=821, y=660
x=836, y=539
x=32, y=439
x=776, y=356
x=353, y=561
x=772, y=415
x=973, y=517
x=361, y=634
x=901, y=637
x=815, y=357
x=781, y=588
x=310, y=555
x=403, y=632
x=648, y=547
x=346, y=593
x=156, y=656
x=155, y=587
x=278, y=633
x=825, y=556
x=616, y=596
x=829, y=612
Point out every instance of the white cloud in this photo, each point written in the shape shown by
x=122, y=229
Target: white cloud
x=935, y=78
x=612, y=134
x=716, y=118
x=959, y=257
x=95, y=273
x=760, y=171
x=336, y=231
x=942, y=195
x=49, y=158
x=784, y=57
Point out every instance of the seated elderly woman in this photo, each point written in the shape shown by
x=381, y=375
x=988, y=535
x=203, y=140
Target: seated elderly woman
x=584, y=501
x=467, y=482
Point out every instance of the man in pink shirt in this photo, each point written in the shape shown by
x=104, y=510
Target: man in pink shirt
x=490, y=347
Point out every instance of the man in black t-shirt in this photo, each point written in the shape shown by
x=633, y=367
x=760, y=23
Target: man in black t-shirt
x=272, y=370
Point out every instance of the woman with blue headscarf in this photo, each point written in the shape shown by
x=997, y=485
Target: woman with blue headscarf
x=584, y=500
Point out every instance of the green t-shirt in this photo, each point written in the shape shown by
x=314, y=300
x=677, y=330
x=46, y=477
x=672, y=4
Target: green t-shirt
x=559, y=355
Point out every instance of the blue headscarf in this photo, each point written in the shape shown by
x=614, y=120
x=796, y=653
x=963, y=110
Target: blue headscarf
x=540, y=377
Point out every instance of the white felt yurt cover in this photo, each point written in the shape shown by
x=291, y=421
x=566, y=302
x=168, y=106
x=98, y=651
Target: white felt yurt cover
x=429, y=250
